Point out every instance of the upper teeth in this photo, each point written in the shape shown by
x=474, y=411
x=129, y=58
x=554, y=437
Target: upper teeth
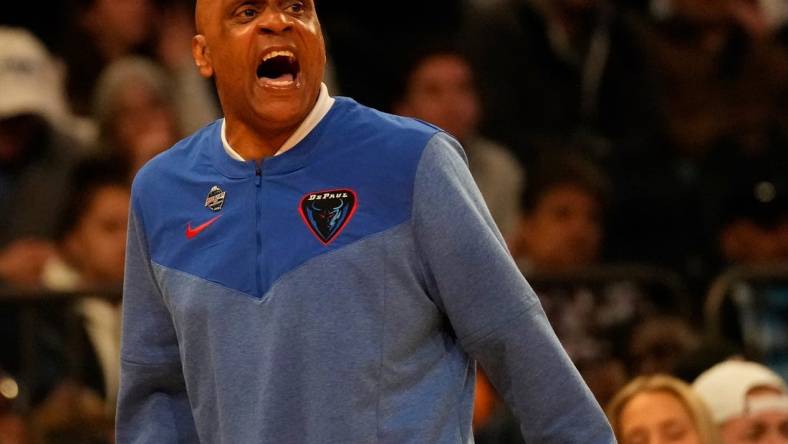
x=273, y=54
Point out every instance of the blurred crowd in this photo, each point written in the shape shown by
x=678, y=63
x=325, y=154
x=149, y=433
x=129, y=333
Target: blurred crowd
x=630, y=151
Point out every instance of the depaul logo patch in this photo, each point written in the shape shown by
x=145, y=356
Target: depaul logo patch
x=327, y=212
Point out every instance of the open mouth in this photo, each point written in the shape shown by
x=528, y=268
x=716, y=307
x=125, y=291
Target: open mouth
x=279, y=69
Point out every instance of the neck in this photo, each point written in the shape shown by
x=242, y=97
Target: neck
x=255, y=139
x=254, y=143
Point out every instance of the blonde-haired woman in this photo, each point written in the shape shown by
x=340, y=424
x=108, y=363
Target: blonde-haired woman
x=660, y=409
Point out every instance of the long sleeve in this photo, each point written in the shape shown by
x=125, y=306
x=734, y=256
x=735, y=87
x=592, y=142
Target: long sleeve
x=493, y=311
x=153, y=406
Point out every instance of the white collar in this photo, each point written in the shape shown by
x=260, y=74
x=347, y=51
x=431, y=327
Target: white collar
x=321, y=108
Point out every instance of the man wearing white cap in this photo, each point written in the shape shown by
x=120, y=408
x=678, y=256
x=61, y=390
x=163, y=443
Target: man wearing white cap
x=748, y=402
x=36, y=155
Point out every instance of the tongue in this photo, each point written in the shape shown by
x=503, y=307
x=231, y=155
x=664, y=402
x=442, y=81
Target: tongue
x=281, y=79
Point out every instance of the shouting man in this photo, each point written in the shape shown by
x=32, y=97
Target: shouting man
x=309, y=270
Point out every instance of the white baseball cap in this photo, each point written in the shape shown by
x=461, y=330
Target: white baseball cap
x=724, y=389
x=30, y=77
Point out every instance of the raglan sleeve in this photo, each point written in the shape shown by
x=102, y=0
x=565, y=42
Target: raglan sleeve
x=494, y=313
x=153, y=406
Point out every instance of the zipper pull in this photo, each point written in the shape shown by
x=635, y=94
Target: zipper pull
x=258, y=171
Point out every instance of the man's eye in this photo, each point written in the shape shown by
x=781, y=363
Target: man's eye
x=297, y=7
x=247, y=13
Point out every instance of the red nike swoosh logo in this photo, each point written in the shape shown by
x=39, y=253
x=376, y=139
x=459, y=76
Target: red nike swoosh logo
x=191, y=233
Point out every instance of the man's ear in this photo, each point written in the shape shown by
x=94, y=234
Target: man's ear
x=202, y=56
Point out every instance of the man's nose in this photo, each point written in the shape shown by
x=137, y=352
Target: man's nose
x=273, y=21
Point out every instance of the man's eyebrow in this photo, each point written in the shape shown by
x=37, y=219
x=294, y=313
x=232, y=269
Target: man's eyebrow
x=231, y=4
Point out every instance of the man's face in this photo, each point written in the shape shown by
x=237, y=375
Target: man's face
x=441, y=91
x=766, y=427
x=564, y=230
x=143, y=124
x=98, y=242
x=267, y=58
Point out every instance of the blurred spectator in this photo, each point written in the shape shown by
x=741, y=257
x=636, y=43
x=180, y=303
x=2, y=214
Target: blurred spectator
x=194, y=101
x=135, y=111
x=748, y=402
x=716, y=79
x=555, y=71
x=36, y=157
x=440, y=88
x=762, y=315
x=357, y=34
x=561, y=226
x=660, y=344
x=105, y=31
x=752, y=313
x=751, y=232
x=718, y=84
x=660, y=408
x=102, y=31
x=90, y=256
x=561, y=233
x=76, y=348
x=754, y=226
